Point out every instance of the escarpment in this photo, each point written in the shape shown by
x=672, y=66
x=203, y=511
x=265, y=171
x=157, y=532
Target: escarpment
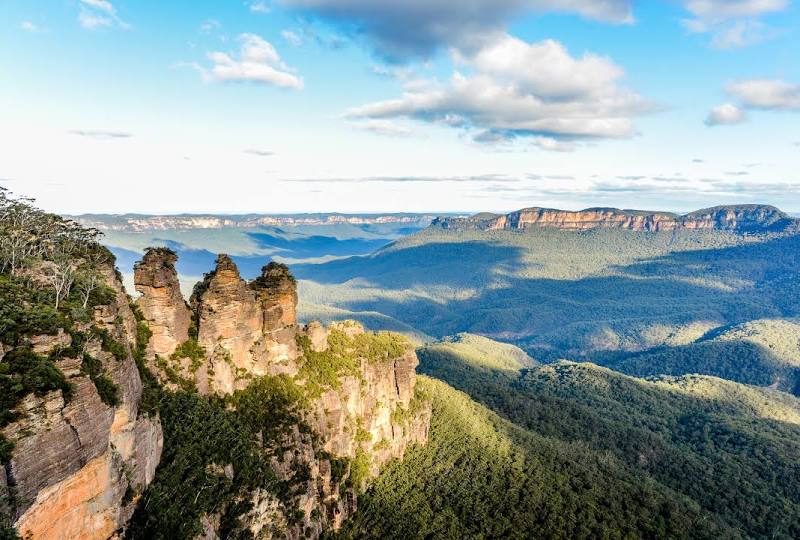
x=83, y=449
x=739, y=218
x=318, y=410
x=217, y=418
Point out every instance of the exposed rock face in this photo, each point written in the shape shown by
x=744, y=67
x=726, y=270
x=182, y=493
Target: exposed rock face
x=742, y=218
x=370, y=418
x=75, y=460
x=246, y=329
x=161, y=301
x=364, y=419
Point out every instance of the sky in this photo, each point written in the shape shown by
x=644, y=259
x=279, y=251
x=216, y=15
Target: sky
x=285, y=106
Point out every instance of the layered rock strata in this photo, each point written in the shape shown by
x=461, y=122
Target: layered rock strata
x=741, y=218
x=79, y=464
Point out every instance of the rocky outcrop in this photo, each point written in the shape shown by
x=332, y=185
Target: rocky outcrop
x=245, y=329
x=741, y=218
x=359, y=410
x=161, y=301
x=357, y=425
x=79, y=463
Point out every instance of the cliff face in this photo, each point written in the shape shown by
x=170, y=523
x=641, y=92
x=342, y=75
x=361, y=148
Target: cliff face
x=359, y=408
x=80, y=463
x=161, y=301
x=308, y=416
x=742, y=218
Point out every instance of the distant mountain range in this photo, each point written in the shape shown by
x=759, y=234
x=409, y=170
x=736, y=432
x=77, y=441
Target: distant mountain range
x=739, y=218
x=144, y=222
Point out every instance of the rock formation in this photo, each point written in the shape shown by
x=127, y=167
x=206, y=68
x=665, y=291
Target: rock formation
x=741, y=218
x=363, y=417
x=161, y=301
x=84, y=455
x=79, y=464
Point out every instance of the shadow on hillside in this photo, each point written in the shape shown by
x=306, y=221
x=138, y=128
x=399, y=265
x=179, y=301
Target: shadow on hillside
x=736, y=360
x=759, y=280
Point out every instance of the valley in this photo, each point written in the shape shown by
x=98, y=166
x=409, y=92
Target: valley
x=574, y=382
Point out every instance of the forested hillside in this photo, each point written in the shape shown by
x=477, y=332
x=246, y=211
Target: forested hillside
x=577, y=451
x=603, y=295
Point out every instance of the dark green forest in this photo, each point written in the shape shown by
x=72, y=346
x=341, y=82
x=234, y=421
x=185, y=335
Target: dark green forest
x=578, y=451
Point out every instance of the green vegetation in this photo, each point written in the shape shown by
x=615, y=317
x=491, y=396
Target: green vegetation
x=321, y=370
x=51, y=279
x=191, y=350
x=566, y=294
x=481, y=352
x=480, y=476
x=690, y=456
x=764, y=353
x=7, y=531
x=151, y=389
x=106, y=388
x=202, y=437
x=23, y=372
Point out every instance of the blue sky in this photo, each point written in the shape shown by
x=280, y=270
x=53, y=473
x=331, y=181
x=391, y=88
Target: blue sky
x=380, y=105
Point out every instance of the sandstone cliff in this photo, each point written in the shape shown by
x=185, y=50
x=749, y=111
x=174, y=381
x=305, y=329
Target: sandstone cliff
x=82, y=454
x=741, y=218
x=353, y=394
x=161, y=301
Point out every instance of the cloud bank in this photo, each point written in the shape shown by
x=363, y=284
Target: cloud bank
x=519, y=89
x=416, y=28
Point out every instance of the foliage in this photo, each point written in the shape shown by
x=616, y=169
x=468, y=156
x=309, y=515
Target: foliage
x=6, y=447
x=729, y=450
x=480, y=476
x=151, y=389
x=359, y=469
x=23, y=372
x=202, y=435
x=481, y=352
x=24, y=311
x=106, y=388
x=763, y=353
x=344, y=356
x=191, y=350
x=273, y=275
x=7, y=531
x=567, y=294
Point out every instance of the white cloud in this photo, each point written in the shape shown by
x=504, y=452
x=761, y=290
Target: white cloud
x=259, y=152
x=292, y=38
x=740, y=34
x=387, y=128
x=210, y=26
x=732, y=23
x=720, y=10
x=258, y=62
x=259, y=6
x=28, y=26
x=102, y=134
x=770, y=94
x=99, y=14
x=91, y=21
x=520, y=89
x=400, y=30
x=725, y=115
x=101, y=5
